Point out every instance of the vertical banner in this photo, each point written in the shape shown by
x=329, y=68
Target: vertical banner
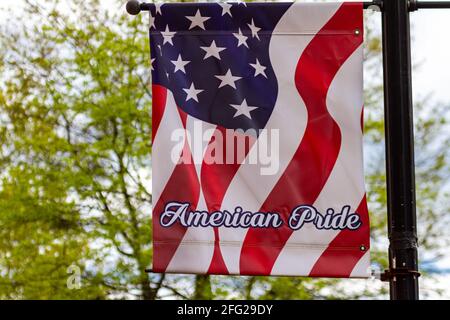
x=257, y=139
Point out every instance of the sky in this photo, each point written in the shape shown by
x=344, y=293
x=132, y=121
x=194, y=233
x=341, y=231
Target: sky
x=430, y=49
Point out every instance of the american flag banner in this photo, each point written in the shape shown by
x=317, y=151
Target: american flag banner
x=257, y=162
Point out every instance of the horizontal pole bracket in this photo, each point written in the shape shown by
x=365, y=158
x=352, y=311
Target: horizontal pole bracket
x=387, y=275
x=135, y=7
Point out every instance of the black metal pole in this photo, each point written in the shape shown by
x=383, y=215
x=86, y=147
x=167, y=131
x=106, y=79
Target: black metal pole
x=403, y=264
x=414, y=5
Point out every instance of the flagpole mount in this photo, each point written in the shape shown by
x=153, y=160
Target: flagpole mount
x=134, y=7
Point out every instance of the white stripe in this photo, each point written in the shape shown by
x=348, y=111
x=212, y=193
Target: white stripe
x=249, y=188
x=162, y=147
x=196, y=249
x=200, y=133
x=345, y=186
x=362, y=268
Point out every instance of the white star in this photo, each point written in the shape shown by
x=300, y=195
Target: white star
x=213, y=50
x=197, y=20
x=151, y=64
x=158, y=8
x=241, y=2
x=225, y=8
x=160, y=49
x=243, y=109
x=179, y=64
x=254, y=29
x=241, y=38
x=152, y=21
x=259, y=69
x=228, y=79
x=167, y=35
x=192, y=93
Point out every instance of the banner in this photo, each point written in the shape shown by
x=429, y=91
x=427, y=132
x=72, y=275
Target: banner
x=257, y=139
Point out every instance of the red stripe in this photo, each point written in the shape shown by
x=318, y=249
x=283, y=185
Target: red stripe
x=335, y=261
x=216, y=177
x=314, y=159
x=183, y=186
x=159, y=97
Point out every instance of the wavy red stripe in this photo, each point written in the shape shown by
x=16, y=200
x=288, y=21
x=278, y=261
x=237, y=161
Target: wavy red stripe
x=183, y=186
x=313, y=161
x=336, y=262
x=159, y=97
x=215, y=179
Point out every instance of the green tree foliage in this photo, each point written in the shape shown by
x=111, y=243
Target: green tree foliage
x=75, y=127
